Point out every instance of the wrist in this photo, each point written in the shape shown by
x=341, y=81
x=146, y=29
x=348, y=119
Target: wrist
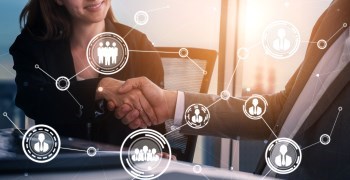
x=171, y=97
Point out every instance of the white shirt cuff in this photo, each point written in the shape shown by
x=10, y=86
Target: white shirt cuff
x=180, y=108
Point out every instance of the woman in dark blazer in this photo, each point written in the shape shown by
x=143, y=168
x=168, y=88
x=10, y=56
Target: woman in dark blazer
x=55, y=35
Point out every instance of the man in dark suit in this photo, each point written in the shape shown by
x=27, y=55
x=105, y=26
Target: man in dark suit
x=315, y=102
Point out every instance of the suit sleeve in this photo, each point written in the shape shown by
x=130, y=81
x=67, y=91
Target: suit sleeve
x=37, y=94
x=227, y=119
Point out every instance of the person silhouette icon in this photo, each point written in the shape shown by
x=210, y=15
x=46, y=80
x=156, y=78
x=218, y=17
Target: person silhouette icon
x=100, y=53
x=114, y=53
x=41, y=146
x=255, y=110
x=281, y=43
x=107, y=54
x=283, y=160
x=197, y=118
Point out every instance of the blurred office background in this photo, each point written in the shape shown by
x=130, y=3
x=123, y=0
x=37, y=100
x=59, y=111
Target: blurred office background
x=221, y=25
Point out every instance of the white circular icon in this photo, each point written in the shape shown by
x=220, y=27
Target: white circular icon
x=322, y=44
x=197, y=116
x=91, y=151
x=41, y=143
x=107, y=53
x=255, y=107
x=141, y=18
x=325, y=139
x=283, y=156
x=243, y=53
x=62, y=83
x=183, y=52
x=144, y=159
x=281, y=39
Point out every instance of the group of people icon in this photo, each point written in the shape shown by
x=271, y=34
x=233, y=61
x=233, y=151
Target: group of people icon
x=107, y=54
x=145, y=154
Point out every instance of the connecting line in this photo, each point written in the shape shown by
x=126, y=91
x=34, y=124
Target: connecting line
x=79, y=72
x=233, y=74
x=266, y=174
x=71, y=149
x=204, y=176
x=213, y=103
x=310, y=42
x=269, y=127
x=38, y=67
x=161, y=8
x=81, y=107
x=335, y=33
x=336, y=119
x=311, y=145
x=165, y=52
x=7, y=69
x=175, y=129
x=112, y=152
x=196, y=64
x=130, y=31
x=5, y=114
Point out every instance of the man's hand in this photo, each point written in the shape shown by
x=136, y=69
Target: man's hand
x=161, y=101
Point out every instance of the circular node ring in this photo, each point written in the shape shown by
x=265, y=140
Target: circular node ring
x=325, y=139
x=62, y=83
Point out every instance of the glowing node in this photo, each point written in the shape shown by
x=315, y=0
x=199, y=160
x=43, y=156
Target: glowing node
x=107, y=53
x=81, y=107
x=322, y=44
x=91, y=151
x=255, y=107
x=62, y=83
x=345, y=24
x=281, y=39
x=317, y=75
x=325, y=139
x=100, y=89
x=26, y=174
x=41, y=143
x=225, y=95
x=36, y=66
x=243, y=53
x=4, y=114
x=205, y=72
x=197, y=116
x=197, y=169
x=183, y=52
x=340, y=108
x=143, y=160
x=141, y=18
x=283, y=155
x=248, y=89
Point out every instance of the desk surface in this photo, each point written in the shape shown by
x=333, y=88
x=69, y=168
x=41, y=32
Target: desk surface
x=176, y=171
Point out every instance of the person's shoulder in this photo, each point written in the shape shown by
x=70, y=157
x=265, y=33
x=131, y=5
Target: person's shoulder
x=25, y=40
x=128, y=33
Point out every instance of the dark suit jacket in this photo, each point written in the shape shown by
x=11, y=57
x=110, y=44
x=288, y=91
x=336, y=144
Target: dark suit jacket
x=318, y=162
x=38, y=97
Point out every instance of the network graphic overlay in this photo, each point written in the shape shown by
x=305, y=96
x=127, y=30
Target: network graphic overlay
x=108, y=53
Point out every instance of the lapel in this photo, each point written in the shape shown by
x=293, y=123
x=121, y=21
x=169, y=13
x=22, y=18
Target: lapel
x=326, y=27
x=331, y=93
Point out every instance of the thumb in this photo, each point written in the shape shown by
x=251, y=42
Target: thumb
x=129, y=85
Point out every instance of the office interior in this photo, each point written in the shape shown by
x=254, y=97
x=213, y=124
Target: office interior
x=220, y=25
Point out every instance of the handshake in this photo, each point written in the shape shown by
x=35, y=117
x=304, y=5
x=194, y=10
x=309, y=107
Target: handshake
x=138, y=102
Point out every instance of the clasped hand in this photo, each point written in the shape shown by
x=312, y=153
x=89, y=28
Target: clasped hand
x=138, y=102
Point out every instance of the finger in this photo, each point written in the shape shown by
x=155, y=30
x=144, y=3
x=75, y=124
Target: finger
x=130, y=117
x=135, y=124
x=148, y=110
x=134, y=83
x=111, y=106
x=122, y=111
